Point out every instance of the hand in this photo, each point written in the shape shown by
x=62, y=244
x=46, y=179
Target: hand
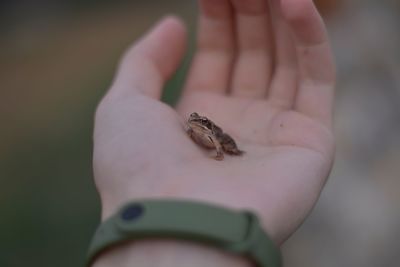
x=264, y=73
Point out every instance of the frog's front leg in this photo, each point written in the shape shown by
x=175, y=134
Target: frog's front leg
x=188, y=129
x=218, y=148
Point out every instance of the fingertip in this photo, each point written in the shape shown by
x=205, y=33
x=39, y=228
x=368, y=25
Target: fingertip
x=296, y=9
x=306, y=23
x=167, y=34
x=174, y=23
x=170, y=44
x=215, y=9
x=155, y=57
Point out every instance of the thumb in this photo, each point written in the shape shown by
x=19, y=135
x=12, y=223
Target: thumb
x=152, y=60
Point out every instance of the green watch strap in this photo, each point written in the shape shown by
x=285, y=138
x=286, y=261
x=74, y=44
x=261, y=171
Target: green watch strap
x=234, y=231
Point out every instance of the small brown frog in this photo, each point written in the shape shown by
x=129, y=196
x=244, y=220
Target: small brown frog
x=205, y=133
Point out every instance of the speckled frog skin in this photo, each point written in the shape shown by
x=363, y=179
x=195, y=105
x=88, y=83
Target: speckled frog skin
x=207, y=134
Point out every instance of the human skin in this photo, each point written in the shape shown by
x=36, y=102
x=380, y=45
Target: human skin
x=264, y=72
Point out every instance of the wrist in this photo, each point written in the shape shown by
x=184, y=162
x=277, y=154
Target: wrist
x=168, y=253
x=162, y=252
x=112, y=203
x=232, y=231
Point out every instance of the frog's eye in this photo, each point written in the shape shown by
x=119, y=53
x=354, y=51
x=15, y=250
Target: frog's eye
x=194, y=114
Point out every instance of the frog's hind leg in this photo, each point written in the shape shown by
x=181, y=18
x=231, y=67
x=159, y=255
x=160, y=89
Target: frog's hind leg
x=229, y=145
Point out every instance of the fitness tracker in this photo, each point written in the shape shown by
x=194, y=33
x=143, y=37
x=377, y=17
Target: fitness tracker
x=234, y=231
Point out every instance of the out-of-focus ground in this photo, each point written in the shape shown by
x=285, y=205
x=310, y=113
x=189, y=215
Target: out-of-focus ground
x=57, y=59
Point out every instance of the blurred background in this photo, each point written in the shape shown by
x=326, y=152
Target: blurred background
x=57, y=59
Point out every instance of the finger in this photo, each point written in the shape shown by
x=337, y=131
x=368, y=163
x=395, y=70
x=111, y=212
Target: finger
x=212, y=62
x=253, y=66
x=316, y=67
x=152, y=60
x=284, y=81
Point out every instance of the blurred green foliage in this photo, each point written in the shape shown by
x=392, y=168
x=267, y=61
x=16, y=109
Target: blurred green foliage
x=49, y=204
x=48, y=200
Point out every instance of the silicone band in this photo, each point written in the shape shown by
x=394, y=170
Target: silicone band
x=234, y=231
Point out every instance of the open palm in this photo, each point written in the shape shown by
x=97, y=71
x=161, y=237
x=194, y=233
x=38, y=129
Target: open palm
x=263, y=72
